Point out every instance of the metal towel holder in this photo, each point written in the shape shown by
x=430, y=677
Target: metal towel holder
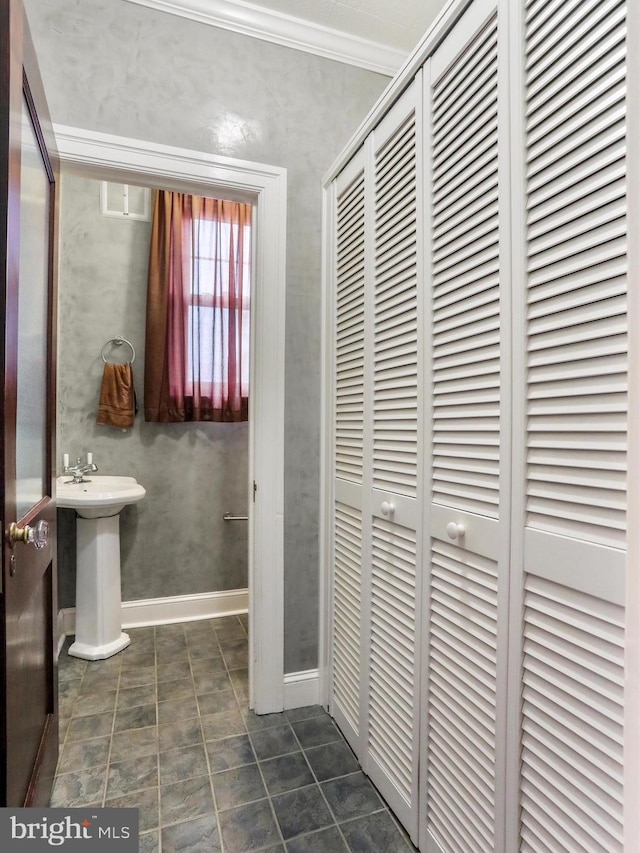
x=118, y=342
x=228, y=517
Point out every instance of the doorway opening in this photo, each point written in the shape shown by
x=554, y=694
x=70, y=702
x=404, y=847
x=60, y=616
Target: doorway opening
x=134, y=162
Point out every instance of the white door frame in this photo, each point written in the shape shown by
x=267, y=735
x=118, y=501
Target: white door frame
x=117, y=158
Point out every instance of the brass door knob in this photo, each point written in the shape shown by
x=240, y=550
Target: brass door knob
x=37, y=536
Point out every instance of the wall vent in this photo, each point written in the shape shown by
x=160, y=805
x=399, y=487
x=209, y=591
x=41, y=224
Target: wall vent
x=125, y=201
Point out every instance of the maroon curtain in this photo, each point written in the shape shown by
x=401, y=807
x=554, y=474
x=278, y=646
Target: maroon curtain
x=197, y=338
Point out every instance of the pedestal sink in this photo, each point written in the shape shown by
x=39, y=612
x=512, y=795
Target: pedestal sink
x=98, y=502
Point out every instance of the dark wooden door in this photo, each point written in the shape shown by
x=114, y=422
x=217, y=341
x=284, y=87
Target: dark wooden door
x=28, y=736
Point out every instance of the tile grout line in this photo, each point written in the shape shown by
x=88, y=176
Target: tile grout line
x=257, y=762
x=188, y=661
x=248, y=733
x=216, y=811
x=73, y=705
x=383, y=805
x=266, y=790
x=295, y=734
x=113, y=727
x=119, y=689
x=68, y=726
x=156, y=682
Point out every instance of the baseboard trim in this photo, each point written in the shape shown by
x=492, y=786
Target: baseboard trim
x=164, y=611
x=184, y=608
x=301, y=689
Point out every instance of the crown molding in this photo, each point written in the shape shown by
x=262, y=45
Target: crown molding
x=285, y=30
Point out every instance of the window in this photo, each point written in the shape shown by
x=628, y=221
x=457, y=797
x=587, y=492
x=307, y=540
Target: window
x=198, y=310
x=212, y=304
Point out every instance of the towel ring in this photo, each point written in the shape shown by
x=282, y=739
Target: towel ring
x=118, y=342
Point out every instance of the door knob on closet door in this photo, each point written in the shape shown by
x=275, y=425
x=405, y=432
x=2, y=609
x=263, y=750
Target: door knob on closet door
x=387, y=508
x=455, y=530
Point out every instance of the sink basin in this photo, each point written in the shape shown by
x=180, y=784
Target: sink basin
x=101, y=496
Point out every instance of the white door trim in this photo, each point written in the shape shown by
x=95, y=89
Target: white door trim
x=108, y=157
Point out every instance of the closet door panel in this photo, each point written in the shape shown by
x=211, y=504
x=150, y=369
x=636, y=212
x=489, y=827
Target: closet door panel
x=349, y=457
x=576, y=422
x=395, y=368
x=469, y=354
x=462, y=700
x=393, y=666
x=572, y=738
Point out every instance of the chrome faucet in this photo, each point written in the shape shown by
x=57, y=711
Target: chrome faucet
x=79, y=470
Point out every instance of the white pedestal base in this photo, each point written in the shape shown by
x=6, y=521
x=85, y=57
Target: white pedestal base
x=89, y=652
x=98, y=597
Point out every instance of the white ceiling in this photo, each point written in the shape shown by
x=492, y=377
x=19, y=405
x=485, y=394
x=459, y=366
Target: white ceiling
x=395, y=23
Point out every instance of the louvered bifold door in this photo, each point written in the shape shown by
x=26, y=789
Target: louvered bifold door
x=466, y=558
x=393, y=667
x=575, y=406
x=348, y=456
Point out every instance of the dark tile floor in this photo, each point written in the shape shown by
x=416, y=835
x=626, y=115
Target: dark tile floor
x=164, y=726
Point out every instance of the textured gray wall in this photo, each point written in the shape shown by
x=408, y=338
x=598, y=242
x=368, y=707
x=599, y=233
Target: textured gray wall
x=174, y=542
x=120, y=68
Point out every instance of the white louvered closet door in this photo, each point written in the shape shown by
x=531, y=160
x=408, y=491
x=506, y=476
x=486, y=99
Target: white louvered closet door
x=575, y=403
x=349, y=458
x=467, y=556
x=391, y=757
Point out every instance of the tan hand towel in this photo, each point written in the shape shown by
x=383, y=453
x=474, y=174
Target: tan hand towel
x=117, y=406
